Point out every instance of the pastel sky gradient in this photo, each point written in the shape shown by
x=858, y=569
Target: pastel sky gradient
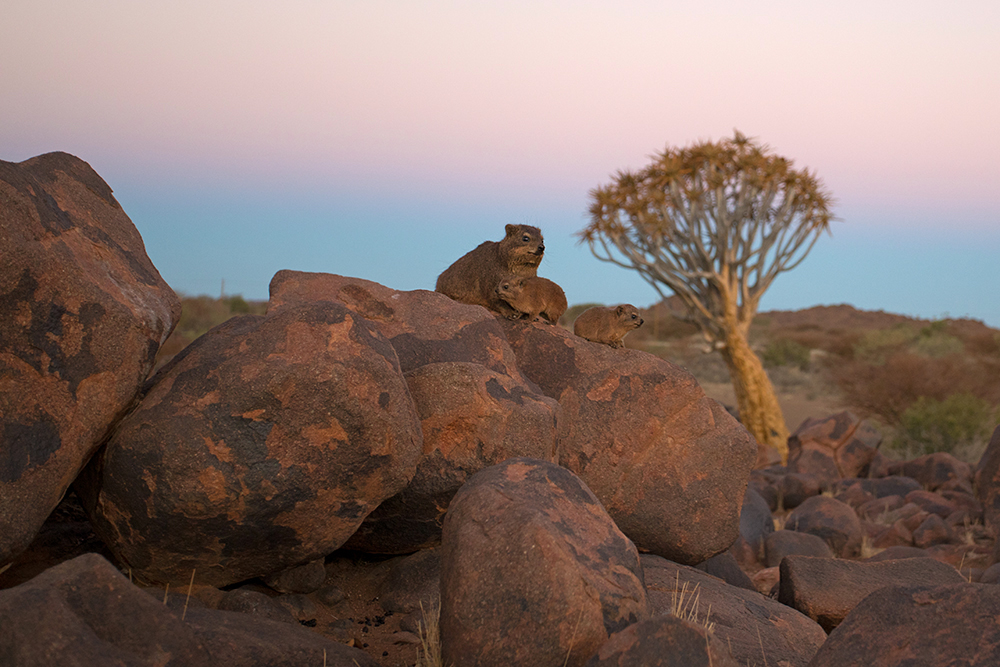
x=384, y=139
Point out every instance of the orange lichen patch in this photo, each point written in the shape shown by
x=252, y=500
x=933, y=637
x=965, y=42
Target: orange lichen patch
x=327, y=435
x=605, y=389
x=219, y=450
x=518, y=471
x=209, y=398
x=213, y=483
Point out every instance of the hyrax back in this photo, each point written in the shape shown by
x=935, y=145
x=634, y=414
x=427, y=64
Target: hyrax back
x=533, y=297
x=607, y=325
x=474, y=276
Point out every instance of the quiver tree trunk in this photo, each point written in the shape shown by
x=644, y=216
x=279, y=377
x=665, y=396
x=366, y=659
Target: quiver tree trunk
x=758, y=404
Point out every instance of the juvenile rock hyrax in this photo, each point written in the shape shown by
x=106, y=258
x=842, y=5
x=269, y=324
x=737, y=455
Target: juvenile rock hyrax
x=607, y=325
x=474, y=276
x=533, y=297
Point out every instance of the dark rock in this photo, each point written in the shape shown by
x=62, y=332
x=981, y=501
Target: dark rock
x=255, y=603
x=424, y=327
x=827, y=589
x=746, y=622
x=329, y=595
x=725, y=567
x=898, y=552
x=300, y=606
x=301, y=579
x=262, y=445
x=476, y=407
x=838, y=446
x=990, y=575
x=920, y=626
x=932, y=530
x=934, y=471
x=988, y=485
x=756, y=522
x=664, y=641
x=765, y=489
x=855, y=496
x=931, y=502
x=669, y=463
x=831, y=520
x=84, y=612
x=82, y=314
x=413, y=583
x=533, y=570
x=472, y=417
x=783, y=543
x=795, y=488
x=895, y=485
x=874, y=509
x=235, y=640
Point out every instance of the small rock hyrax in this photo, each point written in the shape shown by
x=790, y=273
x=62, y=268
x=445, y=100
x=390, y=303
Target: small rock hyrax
x=607, y=325
x=474, y=276
x=533, y=298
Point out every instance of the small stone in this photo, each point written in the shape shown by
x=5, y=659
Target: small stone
x=404, y=638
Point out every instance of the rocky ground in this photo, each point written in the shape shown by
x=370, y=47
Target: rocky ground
x=311, y=484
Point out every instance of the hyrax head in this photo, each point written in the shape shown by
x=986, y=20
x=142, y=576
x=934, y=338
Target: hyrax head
x=628, y=316
x=510, y=287
x=524, y=244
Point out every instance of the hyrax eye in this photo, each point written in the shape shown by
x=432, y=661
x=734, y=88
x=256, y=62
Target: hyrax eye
x=525, y=238
x=634, y=316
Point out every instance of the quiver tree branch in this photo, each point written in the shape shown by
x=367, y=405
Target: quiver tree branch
x=714, y=223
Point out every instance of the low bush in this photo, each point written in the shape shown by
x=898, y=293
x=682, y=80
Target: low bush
x=785, y=352
x=959, y=424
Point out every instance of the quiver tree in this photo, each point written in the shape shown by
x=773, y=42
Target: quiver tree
x=715, y=223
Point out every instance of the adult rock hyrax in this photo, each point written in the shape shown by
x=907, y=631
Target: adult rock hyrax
x=533, y=298
x=474, y=276
x=607, y=325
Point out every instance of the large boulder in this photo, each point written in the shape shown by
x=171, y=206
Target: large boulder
x=262, y=445
x=827, y=589
x=472, y=417
x=84, y=613
x=424, y=327
x=533, y=570
x=752, y=626
x=837, y=446
x=669, y=464
x=919, y=626
x=82, y=314
x=476, y=407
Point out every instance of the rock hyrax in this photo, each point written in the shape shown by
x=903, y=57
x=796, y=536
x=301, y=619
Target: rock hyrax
x=607, y=325
x=474, y=276
x=533, y=297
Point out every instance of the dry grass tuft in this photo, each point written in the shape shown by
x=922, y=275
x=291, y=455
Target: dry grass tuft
x=430, y=637
x=684, y=604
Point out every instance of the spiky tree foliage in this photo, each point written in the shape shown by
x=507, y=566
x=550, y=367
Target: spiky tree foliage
x=715, y=223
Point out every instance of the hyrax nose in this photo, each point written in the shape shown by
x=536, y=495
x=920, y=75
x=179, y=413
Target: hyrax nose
x=541, y=247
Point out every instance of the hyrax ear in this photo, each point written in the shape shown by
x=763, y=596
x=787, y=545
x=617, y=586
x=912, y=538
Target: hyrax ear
x=621, y=310
x=511, y=230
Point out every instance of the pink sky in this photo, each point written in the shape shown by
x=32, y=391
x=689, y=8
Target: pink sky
x=894, y=105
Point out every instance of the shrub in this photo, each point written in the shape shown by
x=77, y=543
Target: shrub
x=960, y=421
x=785, y=352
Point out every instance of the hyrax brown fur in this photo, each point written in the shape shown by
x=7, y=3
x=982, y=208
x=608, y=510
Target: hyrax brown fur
x=533, y=298
x=474, y=276
x=607, y=325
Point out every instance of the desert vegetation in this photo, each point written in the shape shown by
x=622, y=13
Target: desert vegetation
x=929, y=386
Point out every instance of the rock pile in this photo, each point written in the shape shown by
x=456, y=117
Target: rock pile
x=312, y=485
